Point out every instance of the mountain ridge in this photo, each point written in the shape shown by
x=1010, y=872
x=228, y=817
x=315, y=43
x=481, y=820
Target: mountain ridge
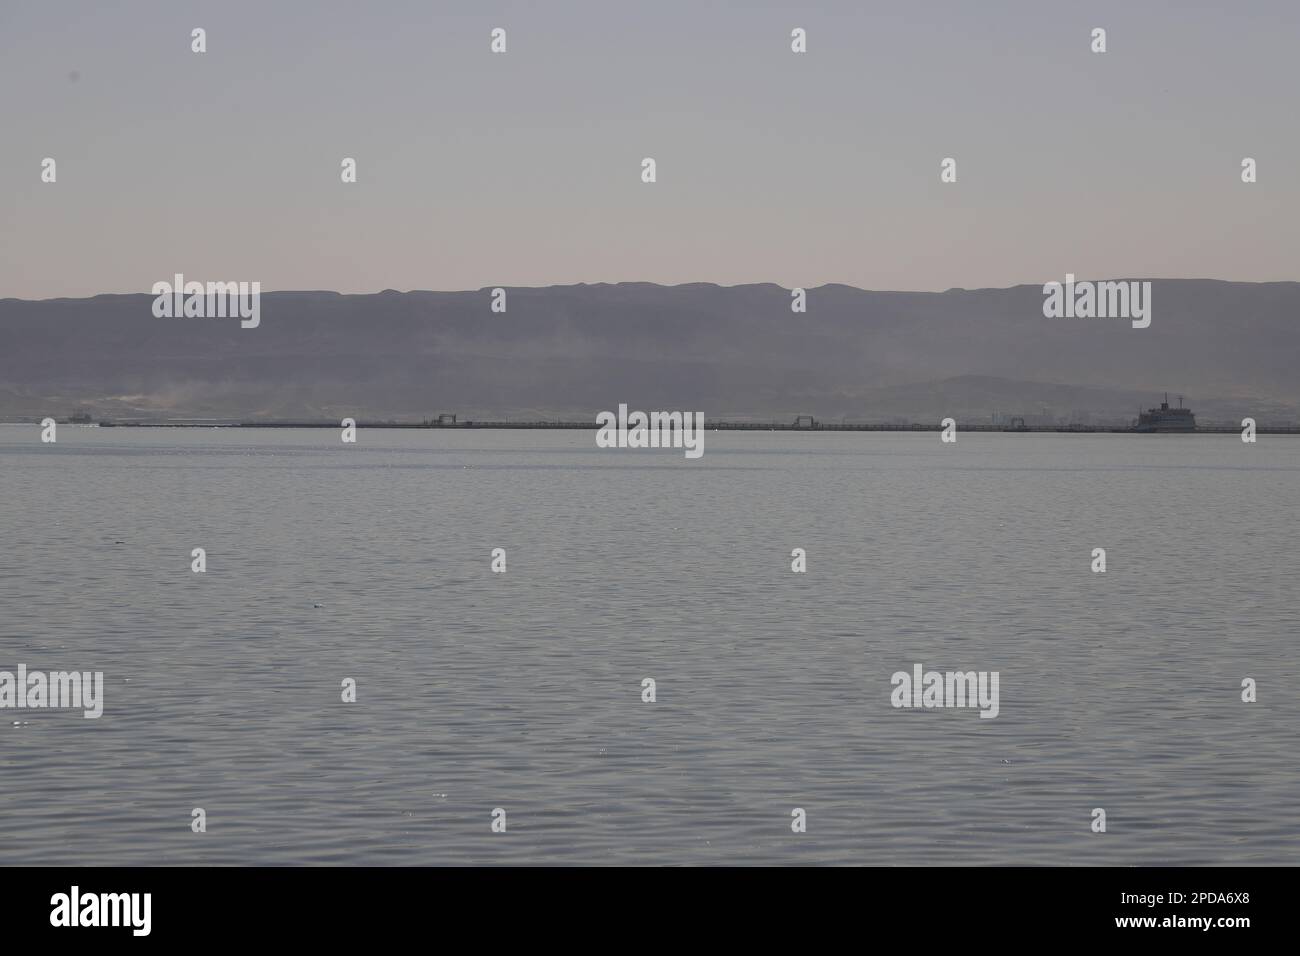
x=733, y=351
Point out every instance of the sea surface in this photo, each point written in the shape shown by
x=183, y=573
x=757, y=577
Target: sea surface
x=523, y=690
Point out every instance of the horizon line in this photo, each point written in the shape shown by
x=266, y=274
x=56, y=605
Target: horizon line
x=681, y=285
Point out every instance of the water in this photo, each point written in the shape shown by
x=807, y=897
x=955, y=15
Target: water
x=523, y=690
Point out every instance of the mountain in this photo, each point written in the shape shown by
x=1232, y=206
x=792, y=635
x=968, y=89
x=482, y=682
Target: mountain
x=732, y=352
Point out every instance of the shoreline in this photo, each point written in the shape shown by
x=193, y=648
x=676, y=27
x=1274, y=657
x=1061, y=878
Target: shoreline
x=708, y=425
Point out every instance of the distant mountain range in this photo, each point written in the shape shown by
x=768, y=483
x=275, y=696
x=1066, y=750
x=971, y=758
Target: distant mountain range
x=734, y=352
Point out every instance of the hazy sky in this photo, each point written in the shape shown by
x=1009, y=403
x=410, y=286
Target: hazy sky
x=479, y=170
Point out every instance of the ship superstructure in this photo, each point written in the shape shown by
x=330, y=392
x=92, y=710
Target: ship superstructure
x=1166, y=419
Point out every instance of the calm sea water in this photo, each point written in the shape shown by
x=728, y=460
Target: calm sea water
x=523, y=690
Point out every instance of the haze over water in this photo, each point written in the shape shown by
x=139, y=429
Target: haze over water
x=523, y=690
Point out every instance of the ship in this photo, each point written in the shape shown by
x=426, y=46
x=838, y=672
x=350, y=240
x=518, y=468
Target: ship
x=1166, y=419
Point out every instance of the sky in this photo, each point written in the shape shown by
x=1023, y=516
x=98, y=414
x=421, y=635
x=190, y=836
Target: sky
x=478, y=169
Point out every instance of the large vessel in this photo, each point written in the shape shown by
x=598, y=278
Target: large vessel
x=1166, y=419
